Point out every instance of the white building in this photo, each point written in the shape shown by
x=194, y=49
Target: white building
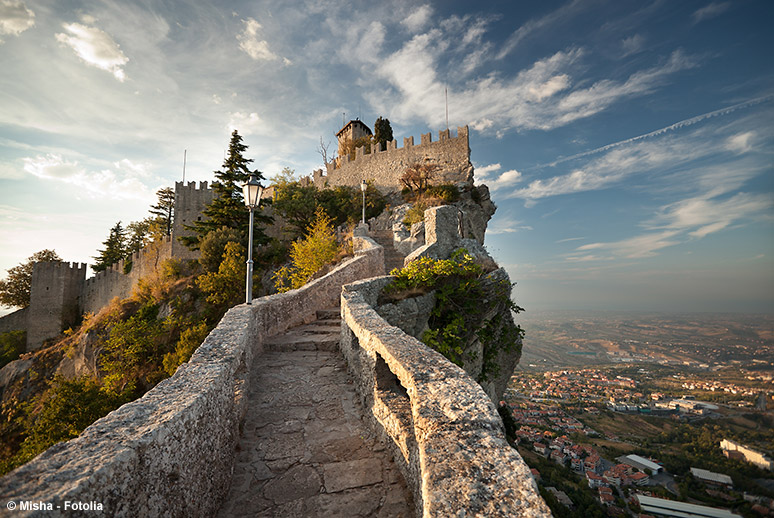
x=661, y=507
x=641, y=463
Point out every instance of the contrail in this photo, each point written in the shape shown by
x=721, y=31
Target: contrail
x=676, y=125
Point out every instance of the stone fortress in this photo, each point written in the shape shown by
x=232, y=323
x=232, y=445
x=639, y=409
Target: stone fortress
x=60, y=292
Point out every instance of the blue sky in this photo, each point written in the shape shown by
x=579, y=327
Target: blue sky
x=628, y=144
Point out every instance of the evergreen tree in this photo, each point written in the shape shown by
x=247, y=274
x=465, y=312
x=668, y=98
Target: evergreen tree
x=15, y=289
x=114, y=251
x=165, y=208
x=382, y=132
x=228, y=208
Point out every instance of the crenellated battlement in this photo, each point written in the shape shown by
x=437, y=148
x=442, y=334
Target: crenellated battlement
x=385, y=167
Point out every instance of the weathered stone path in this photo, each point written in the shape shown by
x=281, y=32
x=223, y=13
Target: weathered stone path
x=305, y=449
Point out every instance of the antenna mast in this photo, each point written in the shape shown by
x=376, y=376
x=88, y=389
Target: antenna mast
x=185, y=152
x=446, y=93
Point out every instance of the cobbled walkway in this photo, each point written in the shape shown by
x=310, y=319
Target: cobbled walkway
x=305, y=449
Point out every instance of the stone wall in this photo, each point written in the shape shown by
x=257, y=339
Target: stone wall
x=16, y=321
x=171, y=452
x=444, y=432
x=190, y=201
x=386, y=167
x=98, y=291
x=54, y=300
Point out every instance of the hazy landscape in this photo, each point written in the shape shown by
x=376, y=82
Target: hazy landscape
x=701, y=340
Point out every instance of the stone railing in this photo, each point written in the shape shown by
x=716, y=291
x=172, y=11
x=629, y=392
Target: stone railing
x=171, y=452
x=445, y=433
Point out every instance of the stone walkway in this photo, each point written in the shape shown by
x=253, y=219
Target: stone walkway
x=305, y=449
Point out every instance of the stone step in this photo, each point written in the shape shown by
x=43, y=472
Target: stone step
x=328, y=314
x=320, y=335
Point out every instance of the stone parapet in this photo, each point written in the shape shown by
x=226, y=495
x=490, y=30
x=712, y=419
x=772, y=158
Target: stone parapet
x=171, y=452
x=385, y=167
x=445, y=433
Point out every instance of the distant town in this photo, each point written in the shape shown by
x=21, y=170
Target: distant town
x=645, y=429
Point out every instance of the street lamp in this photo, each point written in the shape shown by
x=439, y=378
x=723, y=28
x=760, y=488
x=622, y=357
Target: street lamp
x=363, y=187
x=252, y=191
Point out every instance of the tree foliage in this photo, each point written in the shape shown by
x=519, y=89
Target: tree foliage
x=15, y=289
x=382, y=132
x=164, y=210
x=114, y=251
x=417, y=177
x=226, y=286
x=12, y=344
x=298, y=204
x=317, y=250
x=213, y=246
x=228, y=209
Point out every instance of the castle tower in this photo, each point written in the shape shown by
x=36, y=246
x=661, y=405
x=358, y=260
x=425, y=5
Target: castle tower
x=54, y=300
x=353, y=130
x=190, y=202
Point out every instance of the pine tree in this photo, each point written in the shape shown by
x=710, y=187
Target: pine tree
x=165, y=208
x=382, y=132
x=228, y=208
x=15, y=289
x=114, y=251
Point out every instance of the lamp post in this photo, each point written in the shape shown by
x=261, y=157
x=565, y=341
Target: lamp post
x=252, y=191
x=363, y=187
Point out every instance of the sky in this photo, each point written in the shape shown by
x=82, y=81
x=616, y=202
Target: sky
x=628, y=145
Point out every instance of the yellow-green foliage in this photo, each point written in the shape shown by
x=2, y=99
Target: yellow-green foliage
x=225, y=287
x=11, y=346
x=134, y=349
x=318, y=249
x=68, y=407
x=190, y=339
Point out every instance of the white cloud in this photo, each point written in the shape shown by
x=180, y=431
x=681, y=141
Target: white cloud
x=635, y=247
x=95, y=47
x=702, y=215
x=96, y=184
x=10, y=172
x=506, y=226
x=740, y=143
x=507, y=179
x=15, y=18
x=250, y=41
x=418, y=19
x=710, y=11
x=247, y=124
x=483, y=173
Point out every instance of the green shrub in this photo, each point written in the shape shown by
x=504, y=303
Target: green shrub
x=68, y=407
x=415, y=214
x=225, y=286
x=446, y=192
x=190, y=340
x=456, y=316
x=213, y=247
x=318, y=249
x=12, y=345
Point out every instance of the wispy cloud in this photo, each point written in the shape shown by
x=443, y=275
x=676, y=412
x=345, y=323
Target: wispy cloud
x=95, y=47
x=666, y=129
x=15, y=18
x=121, y=183
x=250, y=41
x=418, y=19
x=710, y=11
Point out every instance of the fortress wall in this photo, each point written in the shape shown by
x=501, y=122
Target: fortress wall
x=98, y=291
x=54, y=292
x=190, y=201
x=444, y=431
x=171, y=453
x=16, y=321
x=386, y=167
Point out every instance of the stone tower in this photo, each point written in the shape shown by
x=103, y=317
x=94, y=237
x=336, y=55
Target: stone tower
x=189, y=204
x=55, y=290
x=353, y=130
